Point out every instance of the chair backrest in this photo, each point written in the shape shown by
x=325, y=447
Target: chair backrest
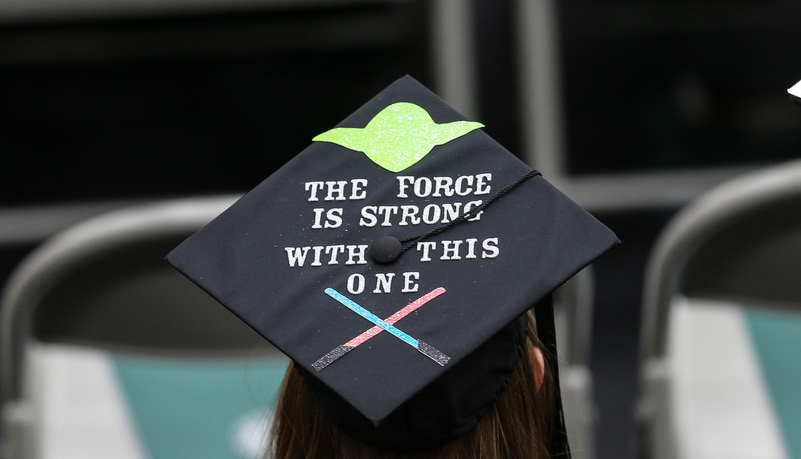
x=739, y=242
x=104, y=283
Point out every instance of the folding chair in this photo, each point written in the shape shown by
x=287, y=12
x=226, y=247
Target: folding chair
x=722, y=265
x=102, y=285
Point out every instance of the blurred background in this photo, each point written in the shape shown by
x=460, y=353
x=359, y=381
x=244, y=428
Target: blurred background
x=633, y=108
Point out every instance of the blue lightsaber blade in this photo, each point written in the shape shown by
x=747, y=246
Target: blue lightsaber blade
x=425, y=349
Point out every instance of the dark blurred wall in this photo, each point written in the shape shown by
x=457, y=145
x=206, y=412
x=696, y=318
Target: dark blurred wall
x=154, y=105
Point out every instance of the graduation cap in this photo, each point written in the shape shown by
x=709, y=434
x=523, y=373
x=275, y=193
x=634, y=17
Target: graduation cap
x=398, y=252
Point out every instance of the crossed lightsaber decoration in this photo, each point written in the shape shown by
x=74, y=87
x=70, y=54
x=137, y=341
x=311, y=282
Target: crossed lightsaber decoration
x=381, y=325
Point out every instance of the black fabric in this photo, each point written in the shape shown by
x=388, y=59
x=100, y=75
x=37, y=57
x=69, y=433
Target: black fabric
x=445, y=410
x=294, y=265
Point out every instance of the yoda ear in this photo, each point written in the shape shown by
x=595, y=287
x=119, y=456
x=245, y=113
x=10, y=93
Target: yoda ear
x=463, y=127
x=328, y=136
x=351, y=138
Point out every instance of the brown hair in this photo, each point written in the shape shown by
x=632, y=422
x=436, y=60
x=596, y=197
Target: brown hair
x=516, y=425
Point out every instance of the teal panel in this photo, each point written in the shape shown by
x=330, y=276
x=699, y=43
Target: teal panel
x=777, y=339
x=200, y=408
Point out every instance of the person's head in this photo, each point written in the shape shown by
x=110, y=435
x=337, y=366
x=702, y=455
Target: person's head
x=516, y=425
x=392, y=261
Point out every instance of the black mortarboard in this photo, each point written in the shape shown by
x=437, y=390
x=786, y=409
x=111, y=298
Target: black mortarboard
x=392, y=250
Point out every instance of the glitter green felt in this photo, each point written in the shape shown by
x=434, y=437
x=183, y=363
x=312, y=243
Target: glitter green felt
x=398, y=136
